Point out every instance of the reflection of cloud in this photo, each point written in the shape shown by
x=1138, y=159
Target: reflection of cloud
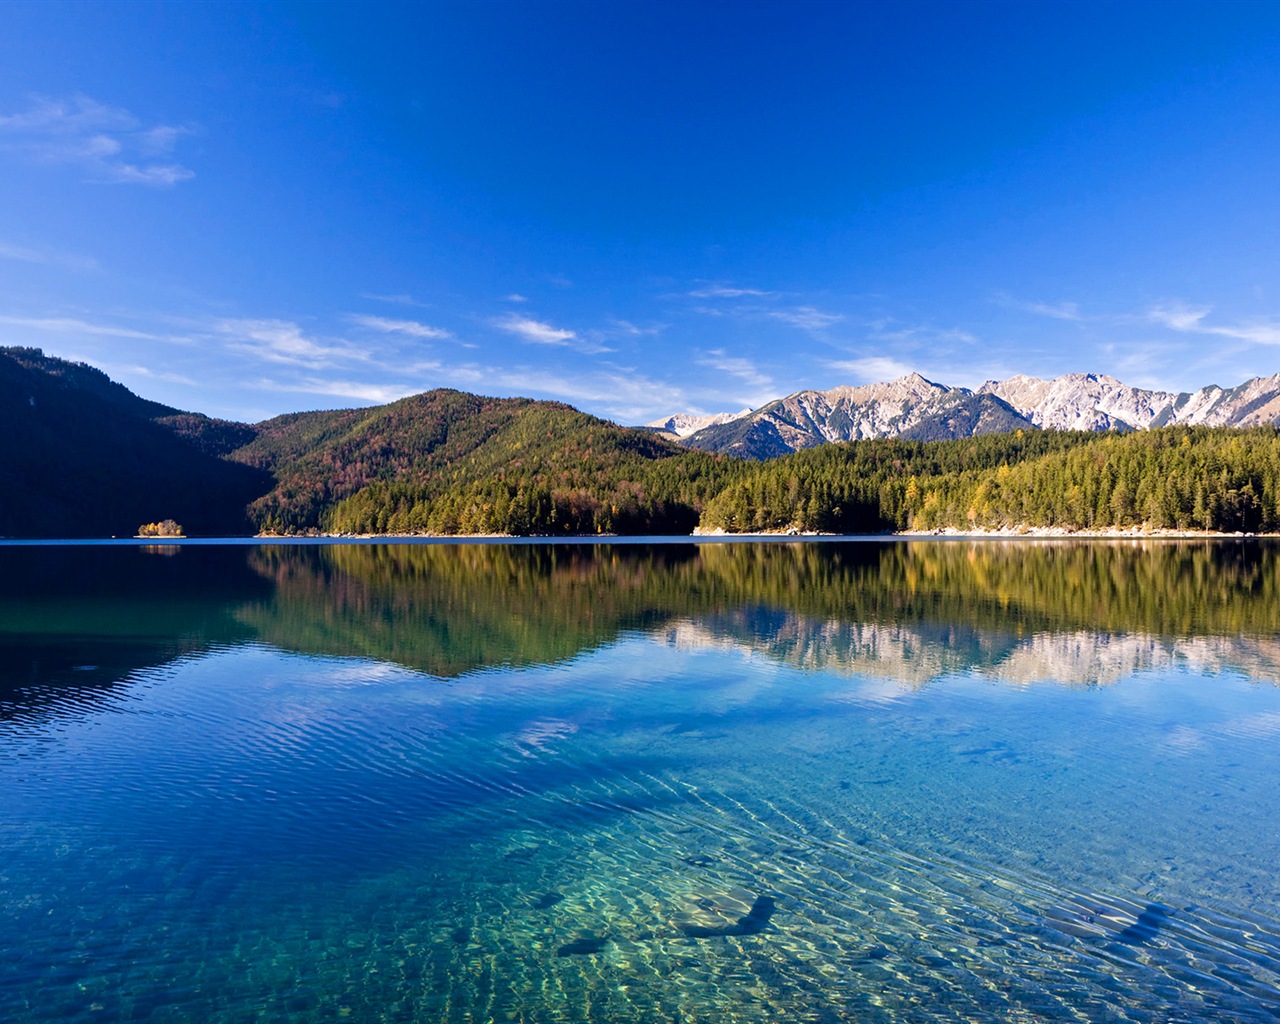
x=110, y=144
x=1262, y=724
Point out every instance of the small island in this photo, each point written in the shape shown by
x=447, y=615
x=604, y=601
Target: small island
x=164, y=528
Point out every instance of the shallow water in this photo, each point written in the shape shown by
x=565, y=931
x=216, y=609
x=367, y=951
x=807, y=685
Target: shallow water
x=937, y=781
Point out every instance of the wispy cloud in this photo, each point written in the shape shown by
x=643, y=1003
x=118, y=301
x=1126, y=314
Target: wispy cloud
x=806, y=318
x=919, y=334
x=634, y=330
x=46, y=257
x=736, y=366
x=535, y=331
x=119, y=370
x=1178, y=316
x=71, y=325
x=622, y=393
x=515, y=297
x=395, y=300
x=723, y=291
x=363, y=391
x=412, y=328
x=872, y=369
x=109, y=144
x=1062, y=311
x=282, y=341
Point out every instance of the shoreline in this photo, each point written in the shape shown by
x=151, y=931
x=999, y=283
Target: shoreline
x=697, y=537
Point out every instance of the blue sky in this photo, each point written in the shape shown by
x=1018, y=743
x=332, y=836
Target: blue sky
x=639, y=209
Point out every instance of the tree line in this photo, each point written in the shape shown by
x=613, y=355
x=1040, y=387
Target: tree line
x=1187, y=478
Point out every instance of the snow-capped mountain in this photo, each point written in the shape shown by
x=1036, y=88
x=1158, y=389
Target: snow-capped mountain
x=683, y=424
x=914, y=408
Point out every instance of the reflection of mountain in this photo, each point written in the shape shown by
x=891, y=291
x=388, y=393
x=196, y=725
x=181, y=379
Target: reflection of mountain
x=75, y=622
x=918, y=655
x=1071, y=611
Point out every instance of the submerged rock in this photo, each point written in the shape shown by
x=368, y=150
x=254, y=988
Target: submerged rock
x=583, y=946
x=547, y=900
x=1149, y=922
x=751, y=924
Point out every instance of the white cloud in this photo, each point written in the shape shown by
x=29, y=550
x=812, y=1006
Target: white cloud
x=281, y=341
x=534, y=331
x=1178, y=316
x=720, y=291
x=515, y=297
x=872, y=369
x=806, y=318
x=412, y=328
x=108, y=144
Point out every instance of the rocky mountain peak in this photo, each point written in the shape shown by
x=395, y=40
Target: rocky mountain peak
x=911, y=406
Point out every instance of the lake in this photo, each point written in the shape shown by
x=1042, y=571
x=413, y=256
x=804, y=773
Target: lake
x=870, y=780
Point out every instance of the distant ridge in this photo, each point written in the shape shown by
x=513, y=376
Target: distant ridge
x=914, y=408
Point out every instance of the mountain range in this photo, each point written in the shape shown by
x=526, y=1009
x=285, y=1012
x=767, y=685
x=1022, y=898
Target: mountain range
x=917, y=409
x=82, y=456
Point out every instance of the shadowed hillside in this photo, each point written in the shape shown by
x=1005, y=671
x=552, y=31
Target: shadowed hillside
x=83, y=456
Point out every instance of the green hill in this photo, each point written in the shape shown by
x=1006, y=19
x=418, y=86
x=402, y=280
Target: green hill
x=448, y=462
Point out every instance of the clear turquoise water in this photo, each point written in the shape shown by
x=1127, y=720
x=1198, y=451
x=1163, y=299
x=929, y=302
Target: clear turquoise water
x=300, y=785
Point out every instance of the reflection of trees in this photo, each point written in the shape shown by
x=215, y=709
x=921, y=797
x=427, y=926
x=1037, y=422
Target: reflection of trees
x=77, y=621
x=449, y=609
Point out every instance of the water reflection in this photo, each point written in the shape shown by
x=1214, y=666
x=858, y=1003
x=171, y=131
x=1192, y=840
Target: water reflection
x=76, y=620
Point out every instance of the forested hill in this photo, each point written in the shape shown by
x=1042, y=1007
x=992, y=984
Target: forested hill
x=423, y=462
x=83, y=456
